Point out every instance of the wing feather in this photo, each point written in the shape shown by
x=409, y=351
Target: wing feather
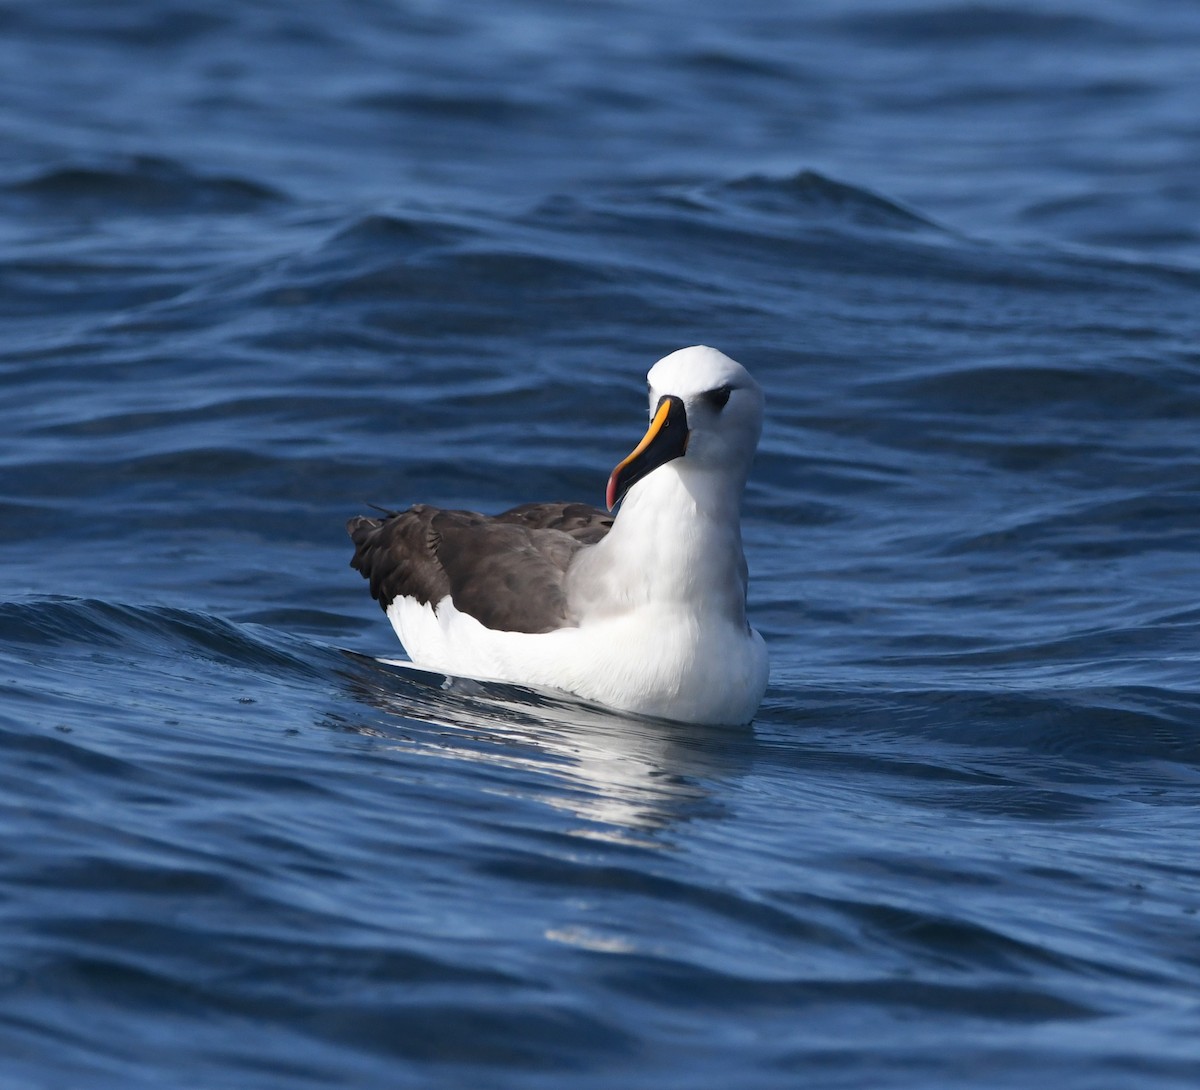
x=507, y=571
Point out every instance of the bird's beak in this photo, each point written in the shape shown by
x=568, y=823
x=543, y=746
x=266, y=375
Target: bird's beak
x=666, y=438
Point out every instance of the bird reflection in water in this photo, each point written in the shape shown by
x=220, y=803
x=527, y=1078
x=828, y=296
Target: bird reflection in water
x=627, y=777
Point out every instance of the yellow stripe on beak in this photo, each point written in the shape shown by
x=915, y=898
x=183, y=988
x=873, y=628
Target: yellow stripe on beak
x=665, y=439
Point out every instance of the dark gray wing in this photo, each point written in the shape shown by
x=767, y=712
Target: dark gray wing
x=507, y=571
x=585, y=524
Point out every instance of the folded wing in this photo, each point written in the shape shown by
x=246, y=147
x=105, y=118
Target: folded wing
x=507, y=571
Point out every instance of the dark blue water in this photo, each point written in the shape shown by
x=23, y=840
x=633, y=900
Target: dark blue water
x=264, y=263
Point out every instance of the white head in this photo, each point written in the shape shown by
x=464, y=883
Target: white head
x=706, y=410
x=724, y=404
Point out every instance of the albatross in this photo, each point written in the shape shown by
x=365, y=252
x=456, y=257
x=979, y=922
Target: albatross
x=644, y=612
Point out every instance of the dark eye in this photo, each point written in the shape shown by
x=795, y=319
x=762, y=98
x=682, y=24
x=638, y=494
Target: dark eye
x=719, y=397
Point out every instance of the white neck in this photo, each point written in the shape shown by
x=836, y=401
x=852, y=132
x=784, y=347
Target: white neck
x=677, y=539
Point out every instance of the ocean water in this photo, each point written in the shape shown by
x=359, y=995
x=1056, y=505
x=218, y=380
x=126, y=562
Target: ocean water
x=263, y=264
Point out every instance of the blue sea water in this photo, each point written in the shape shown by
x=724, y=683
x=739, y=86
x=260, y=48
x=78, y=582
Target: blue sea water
x=262, y=264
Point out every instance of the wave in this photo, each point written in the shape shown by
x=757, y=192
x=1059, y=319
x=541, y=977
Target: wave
x=964, y=25
x=814, y=196
x=63, y=623
x=1141, y=388
x=499, y=109
x=144, y=185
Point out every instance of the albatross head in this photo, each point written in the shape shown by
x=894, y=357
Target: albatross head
x=704, y=408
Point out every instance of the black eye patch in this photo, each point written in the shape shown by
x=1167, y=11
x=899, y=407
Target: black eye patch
x=719, y=397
